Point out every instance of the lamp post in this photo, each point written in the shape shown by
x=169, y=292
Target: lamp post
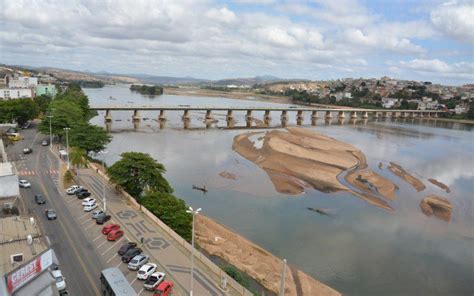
x=193, y=212
x=50, y=132
x=103, y=152
x=67, y=145
x=283, y=277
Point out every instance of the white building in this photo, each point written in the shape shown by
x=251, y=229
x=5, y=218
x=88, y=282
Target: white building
x=389, y=102
x=23, y=82
x=15, y=93
x=8, y=181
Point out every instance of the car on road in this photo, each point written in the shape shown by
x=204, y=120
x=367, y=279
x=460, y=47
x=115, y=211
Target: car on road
x=88, y=208
x=60, y=280
x=73, y=189
x=164, y=289
x=27, y=150
x=138, y=262
x=39, y=199
x=26, y=125
x=130, y=254
x=125, y=247
x=146, y=270
x=108, y=228
x=88, y=201
x=154, y=280
x=103, y=219
x=83, y=194
x=51, y=214
x=44, y=143
x=24, y=183
x=115, y=234
x=96, y=214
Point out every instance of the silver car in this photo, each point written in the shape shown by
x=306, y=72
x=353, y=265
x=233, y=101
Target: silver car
x=138, y=261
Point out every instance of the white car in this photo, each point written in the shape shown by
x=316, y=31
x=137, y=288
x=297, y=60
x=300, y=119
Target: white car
x=146, y=270
x=71, y=190
x=24, y=184
x=88, y=201
x=154, y=280
x=60, y=280
x=88, y=208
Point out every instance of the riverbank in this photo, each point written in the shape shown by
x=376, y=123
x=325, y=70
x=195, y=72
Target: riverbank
x=258, y=263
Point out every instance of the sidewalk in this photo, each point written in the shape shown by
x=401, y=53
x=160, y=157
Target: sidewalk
x=172, y=257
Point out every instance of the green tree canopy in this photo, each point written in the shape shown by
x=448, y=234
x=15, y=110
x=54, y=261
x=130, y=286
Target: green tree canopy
x=470, y=112
x=65, y=113
x=170, y=210
x=18, y=110
x=138, y=173
x=88, y=137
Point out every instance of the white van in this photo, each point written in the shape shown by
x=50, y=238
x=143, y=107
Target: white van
x=90, y=207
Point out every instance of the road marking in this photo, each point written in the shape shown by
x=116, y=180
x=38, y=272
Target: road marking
x=85, y=222
x=80, y=218
x=119, y=263
x=141, y=291
x=110, y=259
x=134, y=280
x=47, y=240
x=100, y=235
x=90, y=226
x=102, y=243
x=112, y=246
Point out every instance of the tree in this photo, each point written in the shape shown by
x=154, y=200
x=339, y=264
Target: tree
x=43, y=102
x=78, y=158
x=18, y=110
x=170, y=210
x=65, y=114
x=138, y=173
x=470, y=112
x=89, y=137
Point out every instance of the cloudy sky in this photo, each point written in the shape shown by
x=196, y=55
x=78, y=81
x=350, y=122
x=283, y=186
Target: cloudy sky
x=320, y=39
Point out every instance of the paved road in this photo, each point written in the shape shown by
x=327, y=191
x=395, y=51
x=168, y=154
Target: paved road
x=80, y=266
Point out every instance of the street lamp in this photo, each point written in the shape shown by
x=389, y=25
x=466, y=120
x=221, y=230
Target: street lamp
x=103, y=152
x=67, y=144
x=50, y=132
x=193, y=212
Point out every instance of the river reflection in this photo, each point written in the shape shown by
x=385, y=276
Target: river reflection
x=360, y=249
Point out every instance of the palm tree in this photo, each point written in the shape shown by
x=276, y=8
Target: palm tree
x=78, y=158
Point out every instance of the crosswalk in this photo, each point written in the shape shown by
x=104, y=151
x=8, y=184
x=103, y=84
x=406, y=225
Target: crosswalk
x=27, y=172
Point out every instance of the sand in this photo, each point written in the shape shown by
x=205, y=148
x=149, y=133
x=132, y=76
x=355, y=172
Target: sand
x=413, y=181
x=228, y=175
x=438, y=206
x=440, y=185
x=298, y=158
x=258, y=263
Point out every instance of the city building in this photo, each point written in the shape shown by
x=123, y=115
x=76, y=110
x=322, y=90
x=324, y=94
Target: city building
x=8, y=181
x=46, y=89
x=23, y=82
x=16, y=93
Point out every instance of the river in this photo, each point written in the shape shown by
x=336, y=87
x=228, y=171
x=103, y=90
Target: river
x=359, y=249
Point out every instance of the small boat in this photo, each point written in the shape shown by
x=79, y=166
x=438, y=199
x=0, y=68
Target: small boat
x=319, y=211
x=203, y=189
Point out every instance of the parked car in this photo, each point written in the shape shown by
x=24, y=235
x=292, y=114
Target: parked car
x=115, y=234
x=80, y=189
x=39, y=199
x=83, y=194
x=138, y=262
x=44, y=143
x=71, y=190
x=103, y=219
x=24, y=184
x=164, y=289
x=88, y=201
x=146, y=270
x=125, y=247
x=96, y=214
x=154, y=280
x=108, y=228
x=130, y=254
x=27, y=150
x=60, y=280
x=90, y=207
x=51, y=214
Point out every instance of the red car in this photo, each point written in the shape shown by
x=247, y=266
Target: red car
x=109, y=228
x=164, y=289
x=114, y=234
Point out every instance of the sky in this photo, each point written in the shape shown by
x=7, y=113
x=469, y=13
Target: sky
x=426, y=40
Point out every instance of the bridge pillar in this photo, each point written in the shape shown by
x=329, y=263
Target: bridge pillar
x=328, y=115
x=411, y=114
x=248, y=117
x=108, y=126
x=428, y=114
x=394, y=114
x=365, y=115
x=136, y=115
x=284, y=116
x=229, y=117
x=314, y=115
x=162, y=124
x=108, y=115
x=376, y=115
x=299, y=115
x=230, y=123
x=384, y=114
x=186, y=123
x=267, y=117
x=354, y=115
x=208, y=115
x=341, y=115
x=186, y=116
x=162, y=116
x=403, y=114
x=435, y=115
x=136, y=124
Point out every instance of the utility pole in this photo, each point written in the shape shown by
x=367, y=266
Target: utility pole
x=67, y=145
x=193, y=212
x=50, y=132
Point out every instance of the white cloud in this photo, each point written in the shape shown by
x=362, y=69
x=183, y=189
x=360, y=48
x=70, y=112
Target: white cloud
x=223, y=15
x=441, y=68
x=455, y=20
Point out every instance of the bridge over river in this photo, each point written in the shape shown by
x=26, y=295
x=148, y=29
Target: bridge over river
x=315, y=113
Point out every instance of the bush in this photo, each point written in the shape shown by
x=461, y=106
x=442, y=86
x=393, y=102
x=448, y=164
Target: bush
x=68, y=177
x=237, y=275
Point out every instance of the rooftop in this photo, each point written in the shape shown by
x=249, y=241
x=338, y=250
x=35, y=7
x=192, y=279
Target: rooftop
x=6, y=169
